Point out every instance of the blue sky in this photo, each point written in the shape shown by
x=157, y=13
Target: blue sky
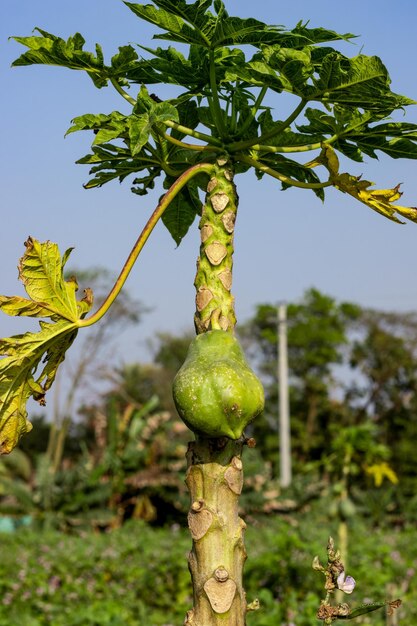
x=285, y=242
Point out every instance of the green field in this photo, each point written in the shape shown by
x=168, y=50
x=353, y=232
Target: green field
x=138, y=575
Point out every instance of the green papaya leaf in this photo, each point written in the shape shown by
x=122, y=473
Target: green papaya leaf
x=49, y=49
x=176, y=26
x=182, y=211
x=293, y=66
x=287, y=137
x=361, y=81
x=194, y=13
x=143, y=184
x=140, y=127
x=124, y=61
x=396, y=139
x=257, y=74
x=113, y=162
x=29, y=362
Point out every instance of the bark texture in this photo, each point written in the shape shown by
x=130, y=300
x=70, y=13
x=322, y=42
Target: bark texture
x=213, y=281
x=214, y=479
x=215, y=474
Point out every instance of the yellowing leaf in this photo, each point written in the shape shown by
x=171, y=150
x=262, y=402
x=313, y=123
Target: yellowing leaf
x=380, y=200
x=30, y=361
x=379, y=471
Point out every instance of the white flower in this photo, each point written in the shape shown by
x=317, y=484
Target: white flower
x=346, y=583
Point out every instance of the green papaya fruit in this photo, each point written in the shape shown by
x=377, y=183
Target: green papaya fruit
x=215, y=391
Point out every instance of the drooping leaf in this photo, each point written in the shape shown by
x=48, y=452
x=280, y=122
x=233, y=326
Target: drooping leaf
x=112, y=162
x=359, y=132
x=49, y=49
x=187, y=115
x=29, y=362
x=291, y=169
x=182, y=211
x=380, y=200
x=143, y=184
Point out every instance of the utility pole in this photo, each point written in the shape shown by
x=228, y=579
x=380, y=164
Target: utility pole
x=283, y=400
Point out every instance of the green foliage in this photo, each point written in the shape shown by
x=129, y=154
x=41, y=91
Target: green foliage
x=50, y=296
x=129, y=465
x=52, y=50
x=352, y=389
x=219, y=103
x=139, y=575
x=317, y=337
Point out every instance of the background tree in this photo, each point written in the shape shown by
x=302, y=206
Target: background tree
x=385, y=393
x=318, y=330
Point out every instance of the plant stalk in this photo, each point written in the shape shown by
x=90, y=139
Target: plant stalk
x=214, y=479
x=142, y=239
x=284, y=179
x=213, y=281
x=215, y=471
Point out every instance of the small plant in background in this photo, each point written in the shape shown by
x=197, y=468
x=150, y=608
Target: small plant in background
x=336, y=579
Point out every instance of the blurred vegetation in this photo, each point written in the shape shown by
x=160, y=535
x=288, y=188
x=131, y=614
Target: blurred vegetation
x=138, y=575
x=110, y=474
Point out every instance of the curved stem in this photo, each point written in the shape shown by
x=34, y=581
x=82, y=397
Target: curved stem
x=305, y=148
x=242, y=145
x=122, y=92
x=284, y=179
x=186, y=146
x=143, y=237
x=193, y=133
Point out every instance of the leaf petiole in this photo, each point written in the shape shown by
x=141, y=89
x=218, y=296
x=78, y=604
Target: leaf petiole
x=305, y=148
x=193, y=133
x=284, y=179
x=122, y=92
x=186, y=146
x=142, y=239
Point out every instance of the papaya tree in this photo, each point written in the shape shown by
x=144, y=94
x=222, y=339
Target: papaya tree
x=217, y=124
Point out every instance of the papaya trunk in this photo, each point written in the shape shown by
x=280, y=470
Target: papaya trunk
x=214, y=479
x=215, y=473
x=213, y=281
